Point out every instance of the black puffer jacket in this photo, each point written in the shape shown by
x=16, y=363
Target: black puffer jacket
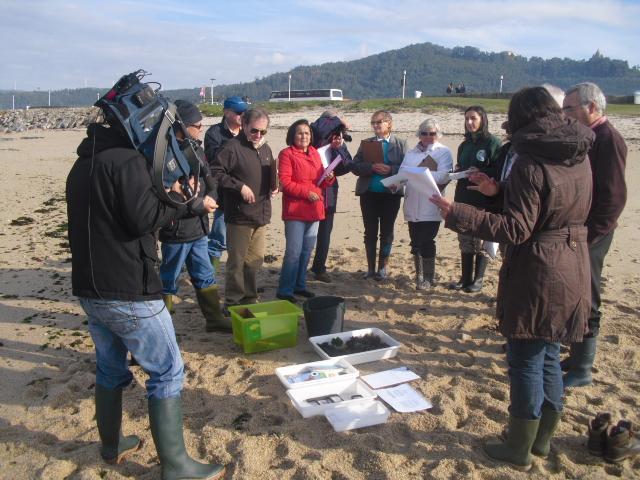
x=113, y=214
x=192, y=227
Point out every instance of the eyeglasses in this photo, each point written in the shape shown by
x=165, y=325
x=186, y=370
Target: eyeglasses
x=377, y=122
x=197, y=127
x=429, y=134
x=255, y=131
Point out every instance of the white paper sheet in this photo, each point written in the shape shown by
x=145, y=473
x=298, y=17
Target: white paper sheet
x=422, y=180
x=332, y=166
x=389, y=377
x=325, y=155
x=404, y=399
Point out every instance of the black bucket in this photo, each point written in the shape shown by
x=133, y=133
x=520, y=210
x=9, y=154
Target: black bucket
x=324, y=315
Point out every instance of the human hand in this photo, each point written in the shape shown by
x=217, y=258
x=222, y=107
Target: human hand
x=247, y=194
x=381, y=168
x=274, y=192
x=393, y=188
x=313, y=196
x=330, y=176
x=444, y=205
x=483, y=184
x=210, y=203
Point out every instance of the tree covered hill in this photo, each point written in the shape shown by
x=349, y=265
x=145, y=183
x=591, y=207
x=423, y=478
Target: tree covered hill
x=429, y=68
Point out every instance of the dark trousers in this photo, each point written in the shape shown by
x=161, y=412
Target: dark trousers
x=597, y=251
x=423, y=238
x=379, y=210
x=322, y=243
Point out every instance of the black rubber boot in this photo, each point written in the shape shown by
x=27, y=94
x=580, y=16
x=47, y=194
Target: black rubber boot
x=548, y=423
x=371, y=260
x=109, y=419
x=621, y=442
x=582, y=356
x=481, y=266
x=417, y=263
x=167, y=298
x=516, y=449
x=383, y=262
x=165, y=417
x=466, y=279
x=429, y=271
x=598, y=428
x=209, y=302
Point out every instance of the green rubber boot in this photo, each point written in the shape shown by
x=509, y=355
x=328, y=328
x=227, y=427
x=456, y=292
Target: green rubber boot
x=168, y=301
x=516, y=449
x=109, y=419
x=165, y=417
x=209, y=302
x=548, y=423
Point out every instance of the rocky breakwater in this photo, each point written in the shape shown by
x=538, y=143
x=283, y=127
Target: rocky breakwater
x=46, y=118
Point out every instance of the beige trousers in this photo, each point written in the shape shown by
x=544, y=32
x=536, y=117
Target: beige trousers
x=245, y=254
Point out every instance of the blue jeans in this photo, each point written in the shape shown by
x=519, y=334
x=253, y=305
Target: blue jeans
x=218, y=234
x=301, y=238
x=194, y=254
x=535, y=376
x=142, y=328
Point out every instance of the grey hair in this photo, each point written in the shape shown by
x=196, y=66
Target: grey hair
x=254, y=114
x=556, y=92
x=429, y=123
x=590, y=92
x=330, y=113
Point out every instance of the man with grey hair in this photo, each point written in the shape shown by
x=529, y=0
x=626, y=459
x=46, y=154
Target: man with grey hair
x=245, y=169
x=556, y=92
x=586, y=103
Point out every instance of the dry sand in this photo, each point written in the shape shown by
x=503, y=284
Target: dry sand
x=236, y=411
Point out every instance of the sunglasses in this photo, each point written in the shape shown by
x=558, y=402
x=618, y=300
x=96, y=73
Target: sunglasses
x=255, y=131
x=428, y=134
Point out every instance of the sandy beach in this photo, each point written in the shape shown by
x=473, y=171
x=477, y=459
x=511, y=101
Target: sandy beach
x=236, y=410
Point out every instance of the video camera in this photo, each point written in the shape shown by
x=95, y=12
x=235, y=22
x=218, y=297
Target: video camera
x=149, y=121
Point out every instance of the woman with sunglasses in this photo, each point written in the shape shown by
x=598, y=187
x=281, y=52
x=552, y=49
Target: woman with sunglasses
x=300, y=171
x=422, y=215
x=378, y=204
x=478, y=152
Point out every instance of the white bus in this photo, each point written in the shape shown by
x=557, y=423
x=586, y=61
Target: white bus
x=306, y=95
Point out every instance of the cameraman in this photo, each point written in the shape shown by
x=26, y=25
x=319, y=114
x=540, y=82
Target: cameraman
x=113, y=213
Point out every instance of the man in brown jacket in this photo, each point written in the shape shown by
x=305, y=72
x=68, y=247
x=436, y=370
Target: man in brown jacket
x=586, y=103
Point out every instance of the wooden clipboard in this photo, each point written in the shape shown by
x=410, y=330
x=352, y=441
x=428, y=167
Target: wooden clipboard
x=429, y=163
x=372, y=151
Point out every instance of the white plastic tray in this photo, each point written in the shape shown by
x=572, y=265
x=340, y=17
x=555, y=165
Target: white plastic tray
x=284, y=372
x=362, y=357
x=345, y=389
x=357, y=415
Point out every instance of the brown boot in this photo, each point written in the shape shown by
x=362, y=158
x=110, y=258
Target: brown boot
x=598, y=433
x=168, y=301
x=621, y=442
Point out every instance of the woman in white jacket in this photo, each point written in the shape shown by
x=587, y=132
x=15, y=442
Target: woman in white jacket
x=423, y=216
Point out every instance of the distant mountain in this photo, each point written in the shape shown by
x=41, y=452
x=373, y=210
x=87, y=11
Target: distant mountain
x=429, y=68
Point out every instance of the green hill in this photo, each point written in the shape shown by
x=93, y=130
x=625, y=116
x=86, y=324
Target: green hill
x=429, y=68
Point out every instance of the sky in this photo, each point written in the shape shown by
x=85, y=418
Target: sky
x=57, y=44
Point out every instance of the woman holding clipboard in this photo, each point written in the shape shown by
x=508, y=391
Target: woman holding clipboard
x=378, y=157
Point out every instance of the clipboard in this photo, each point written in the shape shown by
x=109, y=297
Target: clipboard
x=429, y=163
x=372, y=151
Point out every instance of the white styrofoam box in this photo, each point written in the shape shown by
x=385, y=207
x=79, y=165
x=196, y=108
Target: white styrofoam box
x=284, y=372
x=362, y=357
x=345, y=389
x=357, y=415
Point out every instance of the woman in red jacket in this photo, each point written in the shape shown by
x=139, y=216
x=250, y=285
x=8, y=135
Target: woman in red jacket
x=299, y=171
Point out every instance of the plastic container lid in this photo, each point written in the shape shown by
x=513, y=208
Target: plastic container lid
x=357, y=415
